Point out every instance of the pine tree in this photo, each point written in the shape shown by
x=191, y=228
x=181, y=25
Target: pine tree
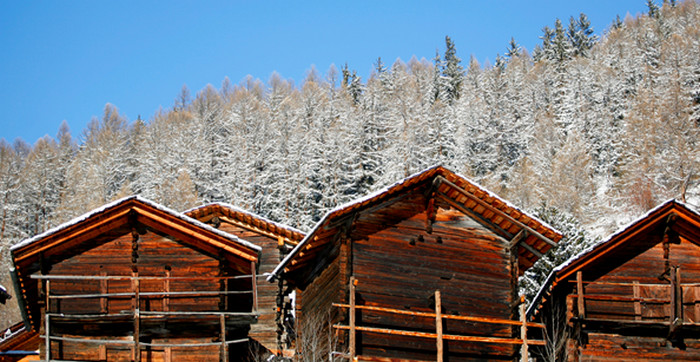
x=513, y=49
x=452, y=71
x=575, y=240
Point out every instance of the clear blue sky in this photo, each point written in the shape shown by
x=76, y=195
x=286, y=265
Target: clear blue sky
x=64, y=60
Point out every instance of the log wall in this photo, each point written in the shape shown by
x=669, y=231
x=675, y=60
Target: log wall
x=403, y=265
x=639, y=294
x=154, y=256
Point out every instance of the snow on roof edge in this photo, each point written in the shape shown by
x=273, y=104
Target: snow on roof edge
x=144, y=200
x=383, y=190
x=536, y=301
x=257, y=216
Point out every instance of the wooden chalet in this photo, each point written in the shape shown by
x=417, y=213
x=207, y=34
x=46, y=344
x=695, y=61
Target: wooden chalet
x=634, y=296
x=425, y=269
x=136, y=281
x=276, y=241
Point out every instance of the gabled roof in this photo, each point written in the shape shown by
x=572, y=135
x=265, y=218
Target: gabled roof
x=632, y=239
x=112, y=220
x=459, y=192
x=248, y=220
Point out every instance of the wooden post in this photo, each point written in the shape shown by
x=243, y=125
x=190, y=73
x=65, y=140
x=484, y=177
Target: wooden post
x=679, y=294
x=255, y=286
x=696, y=300
x=581, y=303
x=104, y=289
x=166, y=289
x=438, y=324
x=47, y=328
x=523, y=331
x=674, y=296
x=637, y=302
x=224, y=347
x=352, y=342
x=135, y=302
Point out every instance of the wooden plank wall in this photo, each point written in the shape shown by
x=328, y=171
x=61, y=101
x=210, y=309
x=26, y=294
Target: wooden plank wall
x=402, y=265
x=315, y=315
x=157, y=256
x=265, y=330
x=646, y=268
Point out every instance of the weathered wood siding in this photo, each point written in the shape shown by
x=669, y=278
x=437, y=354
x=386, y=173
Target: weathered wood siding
x=649, y=271
x=315, y=314
x=157, y=256
x=402, y=265
x=265, y=330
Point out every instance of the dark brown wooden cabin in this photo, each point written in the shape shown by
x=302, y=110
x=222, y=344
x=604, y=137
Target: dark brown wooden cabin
x=426, y=269
x=136, y=281
x=276, y=240
x=635, y=296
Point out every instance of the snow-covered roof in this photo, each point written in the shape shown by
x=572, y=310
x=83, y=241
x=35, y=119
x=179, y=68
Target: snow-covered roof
x=246, y=212
x=547, y=285
x=143, y=200
x=399, y=185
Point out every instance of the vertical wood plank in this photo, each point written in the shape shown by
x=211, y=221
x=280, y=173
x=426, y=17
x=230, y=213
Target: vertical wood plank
x=166, y=289
x=103, y=290
x=674, y=296
x=135, y=305
x=579, y=290
x=168, y=354
x=352, y=342
x=637, y=301
x=679, y=294
x=255, y=286
x=696, y=300
x=224, y=349
x=523, y=332
x=47, y=327
x=438, y=325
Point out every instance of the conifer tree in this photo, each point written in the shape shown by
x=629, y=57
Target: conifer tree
x=452, y=71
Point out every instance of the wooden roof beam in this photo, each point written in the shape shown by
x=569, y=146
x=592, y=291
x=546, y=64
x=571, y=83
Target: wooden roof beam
x=497, y=211
x=474, y=215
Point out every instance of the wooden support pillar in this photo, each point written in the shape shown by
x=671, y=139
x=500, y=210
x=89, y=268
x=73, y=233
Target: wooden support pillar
x=676, y=320
x=104, y=289
x=352, y=341
x=523, y=332
x=224, y=347
x=438, y=325
x=579, y=290
x=135, y=306
x=637, y=301
x=255, y=286
x=696, y=305
x=47, y=326
x=166, y=289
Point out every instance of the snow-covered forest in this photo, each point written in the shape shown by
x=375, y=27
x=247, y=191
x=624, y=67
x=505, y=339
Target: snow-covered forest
x=585, y=132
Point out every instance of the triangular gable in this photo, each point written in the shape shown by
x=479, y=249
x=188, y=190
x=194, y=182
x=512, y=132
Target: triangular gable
x=247, y=220
x=670, y=219
x=115, y=219
x=501, y=217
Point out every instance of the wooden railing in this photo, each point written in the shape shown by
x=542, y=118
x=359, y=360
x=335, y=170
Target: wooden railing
x=353, y=328
x=136, y=314
x=629, y=297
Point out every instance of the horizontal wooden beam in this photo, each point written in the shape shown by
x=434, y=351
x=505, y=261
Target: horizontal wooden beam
x=444, y=316
x=451, y=337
